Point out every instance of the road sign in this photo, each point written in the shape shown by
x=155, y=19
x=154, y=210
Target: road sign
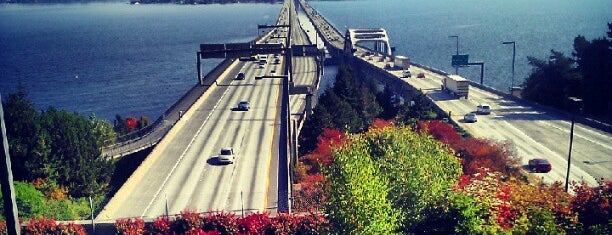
x=460, y=60
x=238, y=46
x=212, y=50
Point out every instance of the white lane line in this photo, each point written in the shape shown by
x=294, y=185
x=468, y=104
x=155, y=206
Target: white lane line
x=566, y=131
x=183, y=154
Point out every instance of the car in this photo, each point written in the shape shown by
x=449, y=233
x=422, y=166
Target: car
x=273, y=72
x=407, y=73
x=470, y=117
x=226, y=155
x=243, y=106
x=261, y=66
x=240, y=76
x=539, y=165
x=421, y=75
x=483, y=109
x=276, y=60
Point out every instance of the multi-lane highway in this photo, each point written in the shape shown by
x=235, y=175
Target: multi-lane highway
x=183, y=171
x=536, y=132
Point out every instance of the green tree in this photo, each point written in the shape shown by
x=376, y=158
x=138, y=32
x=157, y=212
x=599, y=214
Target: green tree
x=313, y=127
x=75, y=147
x=30, y=202
x=343, y=116
x=421, y=170
x=552, y=81
x=357, y=201
x=28, y=143
x=594, y=63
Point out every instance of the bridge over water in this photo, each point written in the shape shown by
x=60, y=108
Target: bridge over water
x=182, y=172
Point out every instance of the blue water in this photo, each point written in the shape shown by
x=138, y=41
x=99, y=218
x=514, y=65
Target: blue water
x=115, y=58
x=420, y=30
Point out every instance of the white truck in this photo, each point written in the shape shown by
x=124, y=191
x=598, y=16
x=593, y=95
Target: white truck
x=456, y=85
x=402, y=62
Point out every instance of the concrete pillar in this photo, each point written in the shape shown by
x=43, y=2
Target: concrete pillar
x=309, y=104
x=199, y=66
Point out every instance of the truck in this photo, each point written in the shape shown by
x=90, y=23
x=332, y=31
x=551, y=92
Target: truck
x=402, y=62
x=456, y=85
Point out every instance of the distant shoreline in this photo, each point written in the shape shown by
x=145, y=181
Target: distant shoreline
x=186, y=2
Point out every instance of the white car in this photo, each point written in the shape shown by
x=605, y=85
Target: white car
x=470, y=117
x=483, y=109
x=227, y=155
x=407, y=73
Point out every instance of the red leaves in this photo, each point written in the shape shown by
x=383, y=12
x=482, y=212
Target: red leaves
x=441, y=131
x=380, y=123
x=131, y=123
x=253, y=223
x=480, y=153
x=49, y=226
x=308, y=195
x=593, y=203
x=217, y=223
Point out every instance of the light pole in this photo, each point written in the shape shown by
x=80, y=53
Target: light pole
x=513, y=57
x=456, y=37
x=574, y=102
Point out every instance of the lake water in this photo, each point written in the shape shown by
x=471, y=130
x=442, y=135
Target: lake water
x=116, y=58
x=421, y=29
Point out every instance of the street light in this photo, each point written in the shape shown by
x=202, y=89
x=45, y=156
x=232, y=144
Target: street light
x=513, y=56
x=456, y=37
x=574, y=102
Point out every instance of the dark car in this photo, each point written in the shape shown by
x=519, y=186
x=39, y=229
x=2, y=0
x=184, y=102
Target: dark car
x=539, y=165
x=243, y=106
x=240, y=76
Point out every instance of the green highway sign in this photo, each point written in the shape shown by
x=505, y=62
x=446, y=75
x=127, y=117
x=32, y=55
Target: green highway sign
x=460, y=60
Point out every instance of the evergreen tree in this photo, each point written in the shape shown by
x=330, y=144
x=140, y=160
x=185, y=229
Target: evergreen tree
x=552, y=82
x=594, y=63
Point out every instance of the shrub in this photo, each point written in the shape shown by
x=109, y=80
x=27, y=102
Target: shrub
x=130, y=227
x=48, y=226
x=224, y=222
x=255, y=223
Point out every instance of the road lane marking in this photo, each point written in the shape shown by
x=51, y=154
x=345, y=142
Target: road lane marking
x=190, y=143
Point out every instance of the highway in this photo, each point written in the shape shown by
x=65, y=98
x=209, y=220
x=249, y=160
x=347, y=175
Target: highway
x=536, y=132
x=183, y=173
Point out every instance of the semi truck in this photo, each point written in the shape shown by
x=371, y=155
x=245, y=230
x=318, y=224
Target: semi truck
x=402, y=62
x=456, y=85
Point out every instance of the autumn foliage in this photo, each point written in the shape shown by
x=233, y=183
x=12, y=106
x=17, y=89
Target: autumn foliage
x=190, y=222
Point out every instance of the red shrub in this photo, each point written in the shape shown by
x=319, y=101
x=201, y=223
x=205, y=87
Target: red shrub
x=479, y=153
x=256, y=223
x=3, y=228
x=283, y=224
x=48, y=226
x=328, y=138
x=225, y=223
x=309, y=196
x=159, y=226
x=593, y=203
x=129, y=226
x=131, y=123
x=380, y=123
x=312, y=224
x=186, y=222
x=441, y=131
